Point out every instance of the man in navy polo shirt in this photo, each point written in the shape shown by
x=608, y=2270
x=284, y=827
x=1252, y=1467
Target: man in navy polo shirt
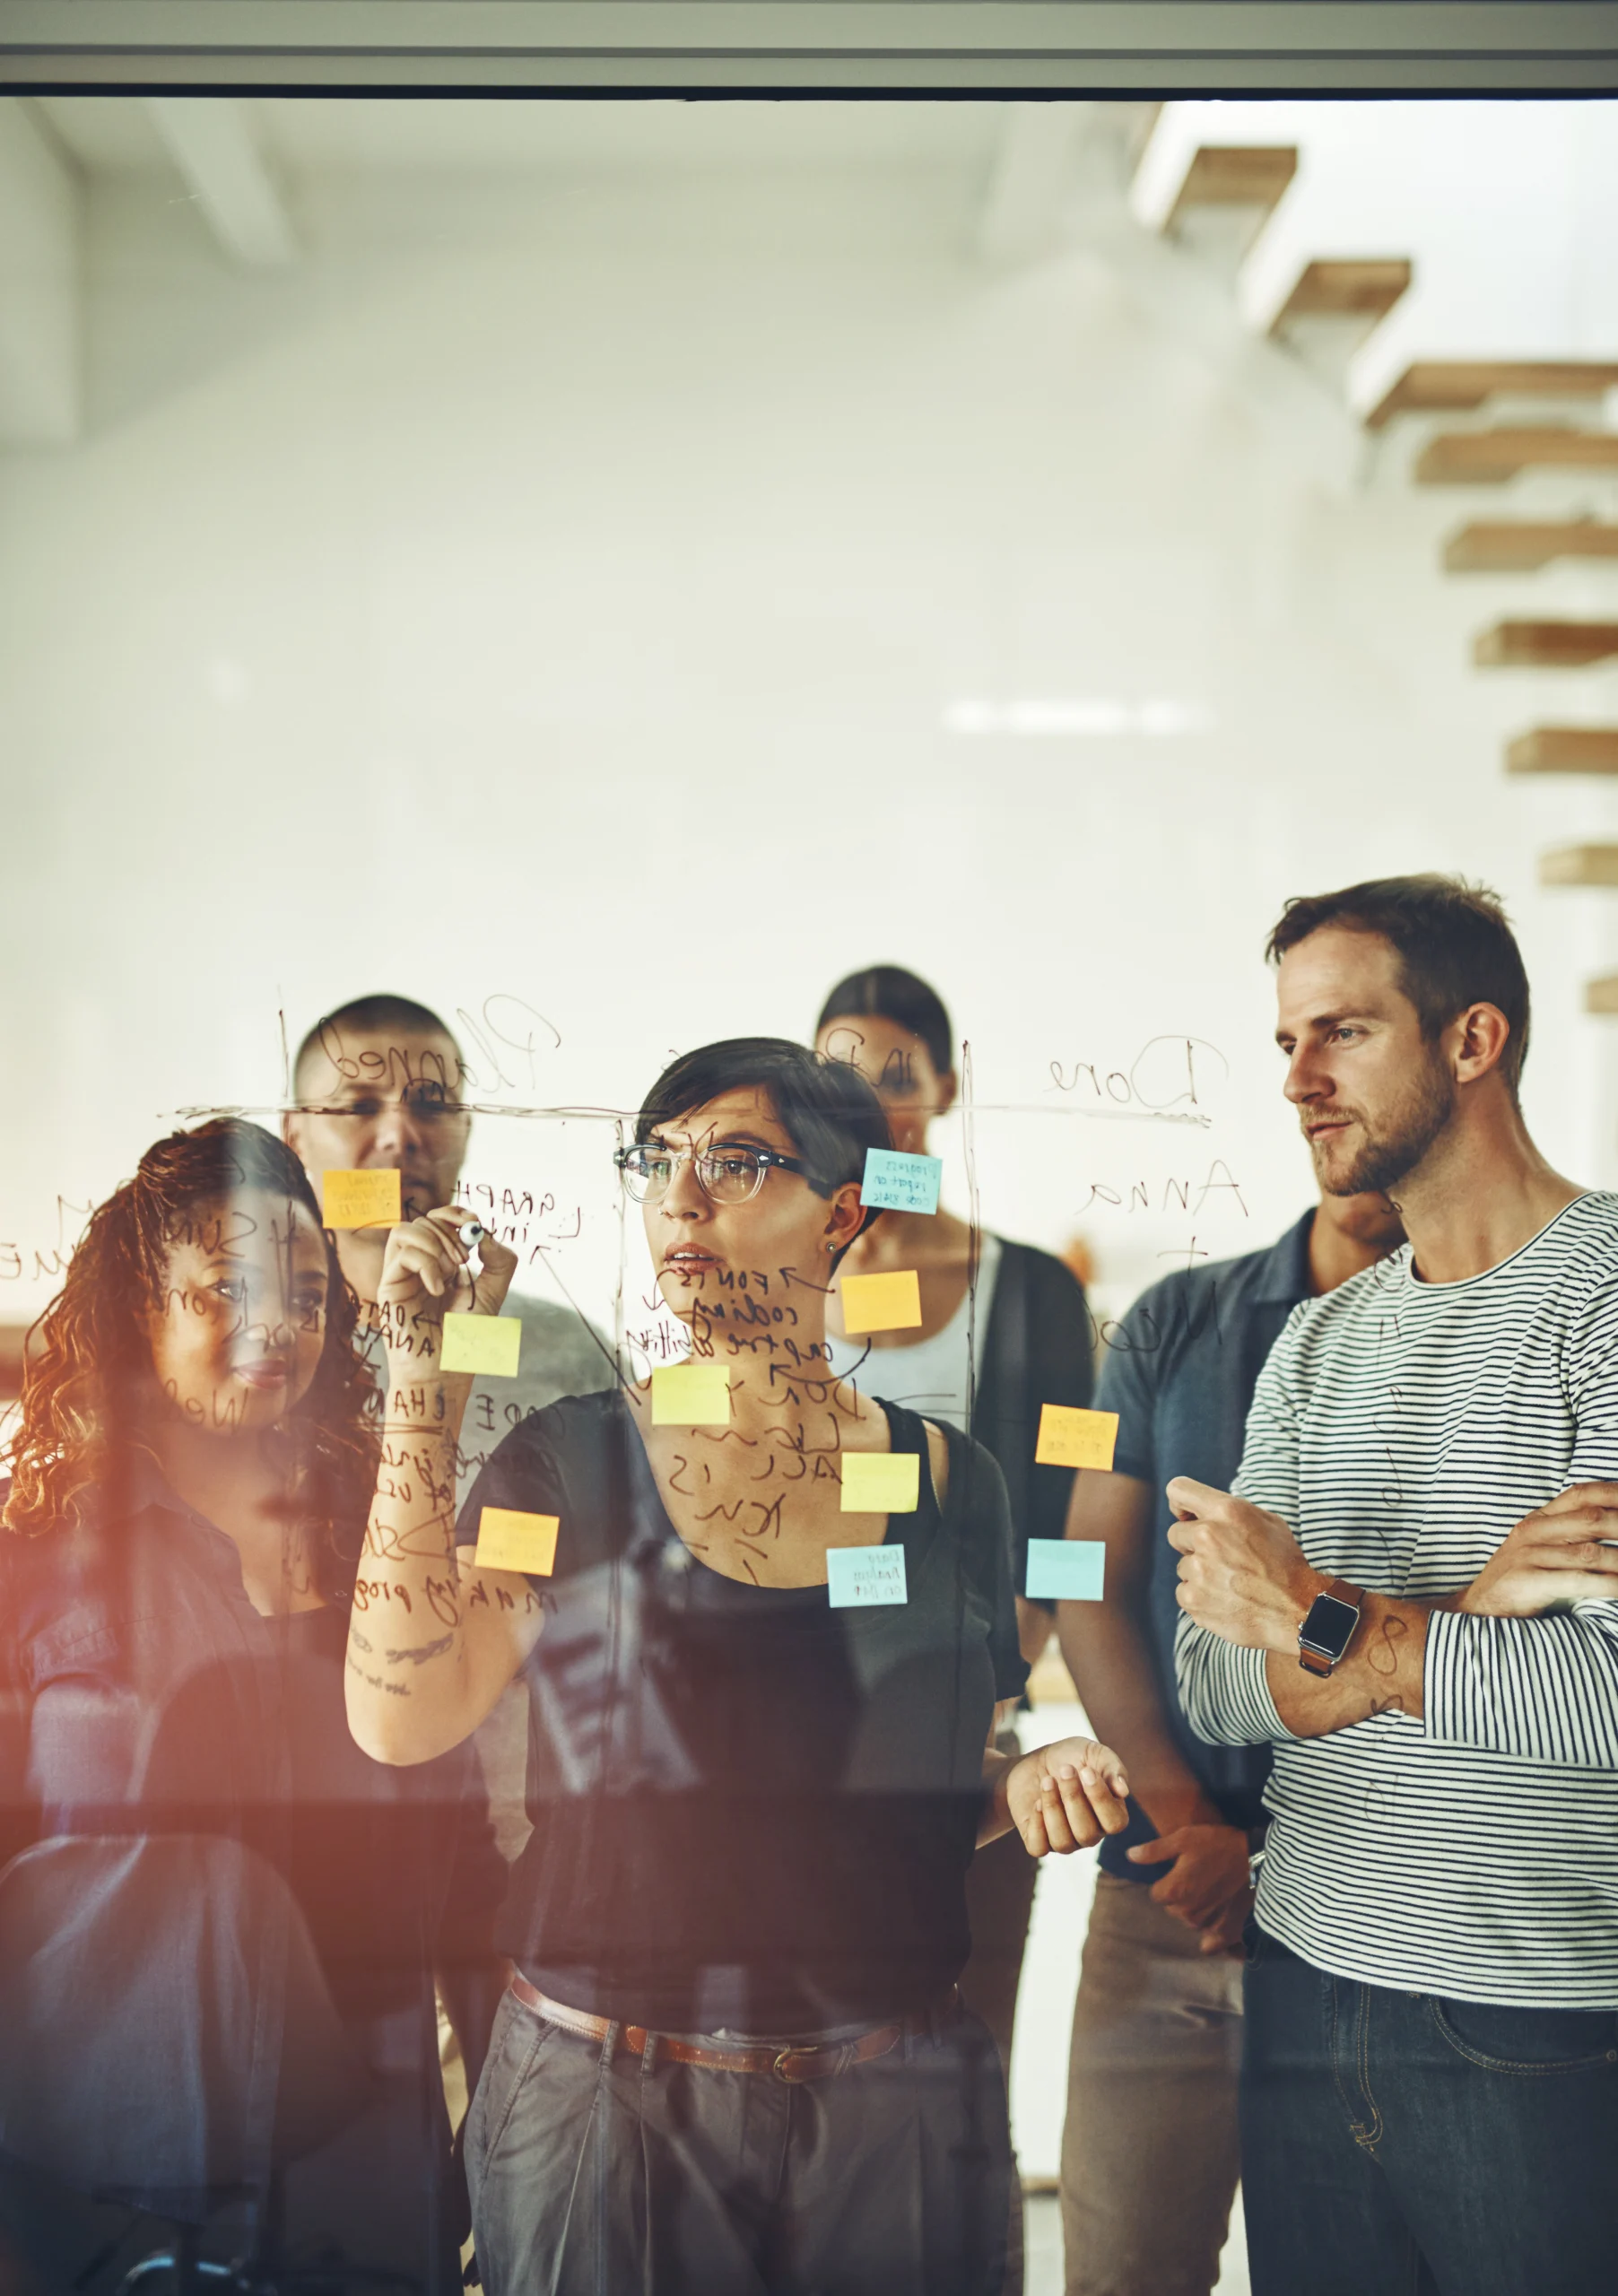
x=1150, y=2152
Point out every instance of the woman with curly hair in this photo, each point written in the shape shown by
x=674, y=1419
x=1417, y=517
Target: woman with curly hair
x=217, y=1911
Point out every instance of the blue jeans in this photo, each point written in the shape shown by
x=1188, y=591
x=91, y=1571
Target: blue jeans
x=1408, y=2145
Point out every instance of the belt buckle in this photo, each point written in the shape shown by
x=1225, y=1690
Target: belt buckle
x=779, y=2067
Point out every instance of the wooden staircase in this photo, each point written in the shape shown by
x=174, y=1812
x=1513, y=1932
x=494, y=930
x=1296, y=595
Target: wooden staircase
x=1564, y=748
x=1579, y=864
x=1544, y=645
x=1523, y=547
x=1490, y=457
x=1365, y=287
x=1325, y=226
x=1449, y=387
x=1235, y=176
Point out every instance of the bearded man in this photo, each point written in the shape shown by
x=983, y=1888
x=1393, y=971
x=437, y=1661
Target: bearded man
x=1409, y=1594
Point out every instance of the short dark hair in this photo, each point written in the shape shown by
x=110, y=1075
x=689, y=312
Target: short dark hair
x=827, y=1110
x=379, y=1012
x=889, y=993
x=1453, y=941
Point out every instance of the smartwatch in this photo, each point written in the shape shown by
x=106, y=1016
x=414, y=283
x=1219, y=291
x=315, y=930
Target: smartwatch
x=1327, y=1632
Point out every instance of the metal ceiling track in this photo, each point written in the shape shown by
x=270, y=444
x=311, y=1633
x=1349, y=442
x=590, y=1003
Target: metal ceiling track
x=809, y=47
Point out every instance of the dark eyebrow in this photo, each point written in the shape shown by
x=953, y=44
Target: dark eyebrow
x=725, y=1140
x=1330, y=1019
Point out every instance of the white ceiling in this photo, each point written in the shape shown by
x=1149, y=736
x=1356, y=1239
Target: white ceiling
x=106, y=134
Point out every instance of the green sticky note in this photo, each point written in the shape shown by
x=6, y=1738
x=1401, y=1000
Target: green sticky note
x=487, y=1343
x=1065, y=1570
x=881, y=1483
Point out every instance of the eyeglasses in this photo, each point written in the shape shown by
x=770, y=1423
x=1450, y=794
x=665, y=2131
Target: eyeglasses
x=726, y=1175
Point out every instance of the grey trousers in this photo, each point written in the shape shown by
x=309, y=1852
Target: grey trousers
x=1150, y=2151
x=591, y=2176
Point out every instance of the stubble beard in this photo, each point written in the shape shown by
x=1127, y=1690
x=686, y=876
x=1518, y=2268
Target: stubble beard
x=1389, y=1157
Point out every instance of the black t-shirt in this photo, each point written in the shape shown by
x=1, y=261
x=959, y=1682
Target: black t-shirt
x=751, y=1811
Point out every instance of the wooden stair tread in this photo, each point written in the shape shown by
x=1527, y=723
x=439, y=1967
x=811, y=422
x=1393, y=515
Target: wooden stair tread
x=1544, y=645
x=1509, y=547
x=1490, y=457
x=1457, y=386
x=1564, y=748
x=1235, y=175
x=1346, y=287
x=1579, y=864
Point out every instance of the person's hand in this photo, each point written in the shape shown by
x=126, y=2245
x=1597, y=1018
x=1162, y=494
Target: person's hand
x=1242, y=1574
x=1067, y=1796
x=1207, y=1884
x=425, y=1276
x=1554, y=1557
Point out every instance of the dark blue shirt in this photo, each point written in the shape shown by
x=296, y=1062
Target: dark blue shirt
x=1181, y=1374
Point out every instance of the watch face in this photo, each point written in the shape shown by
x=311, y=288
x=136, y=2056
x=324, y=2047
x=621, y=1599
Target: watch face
x=1329, y=1625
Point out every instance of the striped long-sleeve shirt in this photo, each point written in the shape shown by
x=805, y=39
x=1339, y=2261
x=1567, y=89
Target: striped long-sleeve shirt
x=1402, y=1429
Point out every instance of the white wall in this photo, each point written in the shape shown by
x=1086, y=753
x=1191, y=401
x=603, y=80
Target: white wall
x=557, y=588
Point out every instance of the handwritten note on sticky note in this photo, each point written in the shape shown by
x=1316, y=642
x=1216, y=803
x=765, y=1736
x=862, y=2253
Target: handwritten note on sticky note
x=509, y=1540
x=1075, y=1439
x=895, y=1182
x=881, y=1302
x=881, y=1483
x=859, y=1575
x=1065, y=1570
x=360, y=1200
x=691, y=1395
x=487, y=1343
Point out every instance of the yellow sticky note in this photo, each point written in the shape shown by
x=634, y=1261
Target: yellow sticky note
x=881, y=1483
x=881, y=1302
x=490, y=1344
x=509, y=1540
x=1075, y=1439
x=691, y=1395
x=360, y=1200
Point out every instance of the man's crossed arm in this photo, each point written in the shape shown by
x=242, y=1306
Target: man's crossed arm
x=1244, y=1577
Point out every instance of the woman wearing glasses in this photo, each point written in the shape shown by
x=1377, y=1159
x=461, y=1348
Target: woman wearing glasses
x=732, y=2058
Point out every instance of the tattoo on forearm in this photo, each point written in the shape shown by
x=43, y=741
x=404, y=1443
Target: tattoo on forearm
x=377, y=1682
x=1382, y=1653
x=419, y=1652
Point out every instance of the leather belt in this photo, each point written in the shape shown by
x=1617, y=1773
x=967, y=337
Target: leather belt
x=811, y=2061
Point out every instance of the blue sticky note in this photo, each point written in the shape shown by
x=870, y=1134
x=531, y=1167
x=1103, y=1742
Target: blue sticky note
x=895, y=1182
x=1065, y=1570
x=858, y=1574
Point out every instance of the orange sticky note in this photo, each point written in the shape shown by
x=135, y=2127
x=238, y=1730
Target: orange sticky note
x=1075, y=1439
x=509, y=1540
x=881, y=1483
x=360, y=1200
x=881, y=1302
x=487, y=1343
x=691, y=1395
